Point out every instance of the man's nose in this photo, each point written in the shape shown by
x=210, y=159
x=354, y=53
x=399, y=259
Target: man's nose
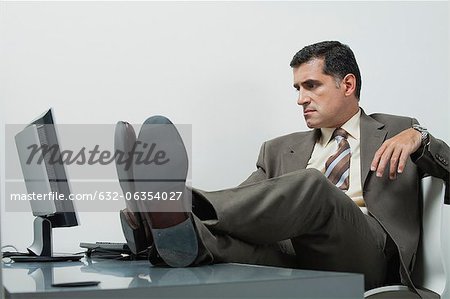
x=303, y=98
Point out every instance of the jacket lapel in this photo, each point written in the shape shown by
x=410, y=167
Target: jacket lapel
x=298, y=154
x=372, y=136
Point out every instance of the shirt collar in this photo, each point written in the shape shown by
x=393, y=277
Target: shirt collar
x=351, y=126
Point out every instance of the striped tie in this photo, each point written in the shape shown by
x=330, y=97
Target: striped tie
x=337, y=167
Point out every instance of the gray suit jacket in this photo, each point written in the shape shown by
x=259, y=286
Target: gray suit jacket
x=395, y=204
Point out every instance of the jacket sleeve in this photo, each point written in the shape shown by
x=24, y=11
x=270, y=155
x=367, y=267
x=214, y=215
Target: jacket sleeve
x=433, y=159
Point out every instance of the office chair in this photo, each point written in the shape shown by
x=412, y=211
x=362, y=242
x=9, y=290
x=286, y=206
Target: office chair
x=432, y=269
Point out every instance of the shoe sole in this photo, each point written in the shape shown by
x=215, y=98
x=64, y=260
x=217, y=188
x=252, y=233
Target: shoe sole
x=173, y=233
x=177, y=245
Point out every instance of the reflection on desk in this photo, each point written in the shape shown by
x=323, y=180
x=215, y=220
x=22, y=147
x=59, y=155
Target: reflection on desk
x=139, y=279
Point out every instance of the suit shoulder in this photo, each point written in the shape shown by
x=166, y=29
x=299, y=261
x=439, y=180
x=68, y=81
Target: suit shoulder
x=288, y=139
x=390, y=119
x=394, y=123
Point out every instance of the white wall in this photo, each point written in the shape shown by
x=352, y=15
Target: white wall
x=222, y=67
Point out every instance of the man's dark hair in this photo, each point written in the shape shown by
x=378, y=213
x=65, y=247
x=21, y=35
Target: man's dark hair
x=339, y=60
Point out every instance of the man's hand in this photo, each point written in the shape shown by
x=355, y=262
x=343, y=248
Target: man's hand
x=396, y=151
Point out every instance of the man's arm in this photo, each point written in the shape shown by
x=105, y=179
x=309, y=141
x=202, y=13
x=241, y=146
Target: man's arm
x=432, y=158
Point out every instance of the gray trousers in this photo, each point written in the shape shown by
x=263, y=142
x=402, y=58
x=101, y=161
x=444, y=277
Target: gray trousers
x=327, y=229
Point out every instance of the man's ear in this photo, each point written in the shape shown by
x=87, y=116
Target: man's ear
x=349, y=82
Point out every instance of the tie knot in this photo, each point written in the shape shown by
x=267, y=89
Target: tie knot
x=340, y=132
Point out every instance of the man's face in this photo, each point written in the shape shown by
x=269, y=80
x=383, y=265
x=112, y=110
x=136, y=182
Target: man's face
x=324, y=102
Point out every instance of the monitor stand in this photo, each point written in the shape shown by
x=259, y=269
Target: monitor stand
x=41, y=249
x=42, y=243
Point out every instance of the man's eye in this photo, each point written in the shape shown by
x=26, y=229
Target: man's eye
x=310, y=85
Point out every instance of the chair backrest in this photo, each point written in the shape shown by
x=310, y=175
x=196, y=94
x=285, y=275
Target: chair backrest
x=432, y=270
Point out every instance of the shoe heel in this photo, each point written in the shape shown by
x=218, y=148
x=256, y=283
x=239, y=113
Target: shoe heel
x=134, y=233
x=177, y=245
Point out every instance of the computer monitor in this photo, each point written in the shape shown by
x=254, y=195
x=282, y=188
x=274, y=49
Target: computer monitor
x=45, y=177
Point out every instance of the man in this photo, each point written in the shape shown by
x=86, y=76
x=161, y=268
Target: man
x=343, y=196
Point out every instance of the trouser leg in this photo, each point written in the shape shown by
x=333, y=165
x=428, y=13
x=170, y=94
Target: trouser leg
x=216, y=247
x=327, y=230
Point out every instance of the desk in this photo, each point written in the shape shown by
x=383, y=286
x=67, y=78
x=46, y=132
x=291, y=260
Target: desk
x=138, y=279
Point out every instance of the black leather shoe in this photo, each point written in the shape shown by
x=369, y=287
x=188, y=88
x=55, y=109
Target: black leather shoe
x=173, y=231
x=135, y=229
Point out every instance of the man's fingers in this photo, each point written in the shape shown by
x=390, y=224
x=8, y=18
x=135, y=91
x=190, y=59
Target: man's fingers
x=402, y=161
x=385, y=157
x=376, y=157
x=394, y=162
